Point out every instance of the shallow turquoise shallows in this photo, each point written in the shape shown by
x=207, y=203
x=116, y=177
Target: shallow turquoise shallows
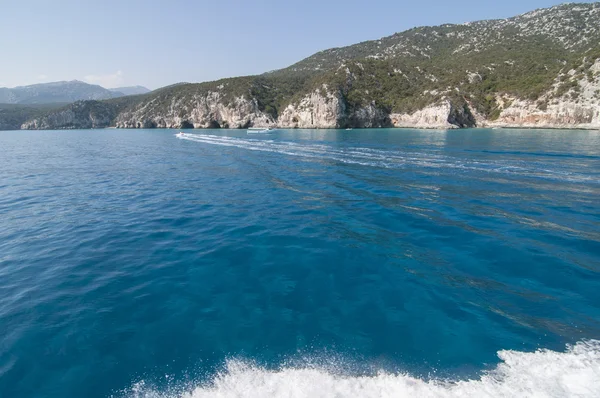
x=134, y=263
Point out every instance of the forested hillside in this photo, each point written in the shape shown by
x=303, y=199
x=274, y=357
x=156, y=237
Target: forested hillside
x=537, y=69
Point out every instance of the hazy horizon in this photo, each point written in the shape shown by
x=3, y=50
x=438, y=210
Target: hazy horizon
x=76, y=80
x=155, y=45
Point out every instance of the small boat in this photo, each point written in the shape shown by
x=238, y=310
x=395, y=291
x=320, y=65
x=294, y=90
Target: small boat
x=259, y=130
x=349, y=128
x=180, y=134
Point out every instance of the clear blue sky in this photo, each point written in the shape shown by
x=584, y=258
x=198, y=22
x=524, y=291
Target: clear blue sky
x=156, y=43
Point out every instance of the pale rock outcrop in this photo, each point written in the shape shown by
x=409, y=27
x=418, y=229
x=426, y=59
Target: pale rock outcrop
x=323, y=109
x=369, y=117
x=319, y=109
x=564, y=114
x=437, y=116
x=568, y=111
x=204, y=111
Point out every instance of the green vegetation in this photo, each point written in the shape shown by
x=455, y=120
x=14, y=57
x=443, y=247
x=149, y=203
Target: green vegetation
x=470, y=64
x=12, y=116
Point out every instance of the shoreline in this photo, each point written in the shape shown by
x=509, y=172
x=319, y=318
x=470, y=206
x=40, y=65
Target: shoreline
x=334, y=128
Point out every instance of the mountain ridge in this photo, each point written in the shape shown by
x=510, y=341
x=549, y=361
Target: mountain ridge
x=537, y=69
x=63, y=91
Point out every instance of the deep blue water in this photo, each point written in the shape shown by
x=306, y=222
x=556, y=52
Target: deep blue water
x=134, y=263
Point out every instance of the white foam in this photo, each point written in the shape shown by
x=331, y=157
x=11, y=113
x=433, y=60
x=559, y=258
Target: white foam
x=390, y=158
x=541, y=374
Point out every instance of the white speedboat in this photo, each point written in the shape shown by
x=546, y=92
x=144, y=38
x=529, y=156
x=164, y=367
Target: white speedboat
x=259, y=130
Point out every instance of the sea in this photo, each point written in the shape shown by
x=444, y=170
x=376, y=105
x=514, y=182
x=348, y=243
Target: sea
x=300, y=263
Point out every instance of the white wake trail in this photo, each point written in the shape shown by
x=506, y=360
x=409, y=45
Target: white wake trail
x=543, y=374
x=391, y=158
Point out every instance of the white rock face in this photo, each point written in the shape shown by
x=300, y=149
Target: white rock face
x=370, y=117
x=323, y=109
x=564, y=112
x=314, y=111
x=206, y=111
x=433, y=116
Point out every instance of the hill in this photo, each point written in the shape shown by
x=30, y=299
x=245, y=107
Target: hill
x=539, y=69
x=12, y=116
x=63, y=92
x=56, y=92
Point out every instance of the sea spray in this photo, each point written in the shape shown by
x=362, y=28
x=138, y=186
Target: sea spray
x=544, y=373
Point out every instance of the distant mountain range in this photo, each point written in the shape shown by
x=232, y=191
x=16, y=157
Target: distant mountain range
x=540, y=69
x=131, y=90
x=63, y=92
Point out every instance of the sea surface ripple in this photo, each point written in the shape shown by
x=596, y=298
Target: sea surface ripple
x=301, y=263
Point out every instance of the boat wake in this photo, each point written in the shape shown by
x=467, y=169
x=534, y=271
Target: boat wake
x=395, y=159
x=545, y=373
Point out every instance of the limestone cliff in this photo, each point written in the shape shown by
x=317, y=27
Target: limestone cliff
x=443, y=115
x=564, y=114
x=325, y=109
x=198, y=111
x=318, y=109
x=577, y=106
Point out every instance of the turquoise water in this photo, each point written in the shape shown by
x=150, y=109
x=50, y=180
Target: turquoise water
x=300, y=263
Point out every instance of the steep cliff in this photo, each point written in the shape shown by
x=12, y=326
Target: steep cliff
x=318, y=109
x=437, y=116
x=209, y=110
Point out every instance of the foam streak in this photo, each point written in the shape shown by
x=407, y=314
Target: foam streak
x=392, y=159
